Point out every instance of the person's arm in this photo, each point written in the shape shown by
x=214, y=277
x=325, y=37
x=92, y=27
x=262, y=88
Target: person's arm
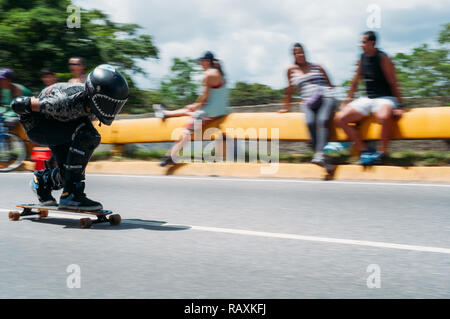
x=202, y=99
x=289, y=91
x=34, y=104
x=354, y=86
x=391, y=77
x=64, y=107
x=389, y=72
x=24, y=105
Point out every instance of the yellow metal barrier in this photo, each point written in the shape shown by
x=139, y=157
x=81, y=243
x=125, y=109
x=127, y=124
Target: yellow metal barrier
x=417, y=123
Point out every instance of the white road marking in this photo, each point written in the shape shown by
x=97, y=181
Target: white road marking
x=261, y=180
x=278, y=235
x=324, y=239
x=274, y=180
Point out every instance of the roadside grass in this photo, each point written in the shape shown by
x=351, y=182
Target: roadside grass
x=404, y=158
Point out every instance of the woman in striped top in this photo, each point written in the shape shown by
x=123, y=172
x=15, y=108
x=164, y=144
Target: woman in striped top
x=318, y=102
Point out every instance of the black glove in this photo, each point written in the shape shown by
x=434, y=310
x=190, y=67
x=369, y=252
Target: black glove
x=21, y=105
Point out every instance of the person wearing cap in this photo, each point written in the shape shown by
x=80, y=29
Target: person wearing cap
x=9, y=91
x=77, y=67
x=212, y=104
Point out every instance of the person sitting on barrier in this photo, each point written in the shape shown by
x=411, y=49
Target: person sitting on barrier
x=60, y=118
x=9, y=91
x=319, y=104
x=77, y=67
x=48, y=77
x=212, y=104
x=383, y=99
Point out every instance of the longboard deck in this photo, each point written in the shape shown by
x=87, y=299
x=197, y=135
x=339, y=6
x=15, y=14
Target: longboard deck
x=42, y=212
x=56, y=209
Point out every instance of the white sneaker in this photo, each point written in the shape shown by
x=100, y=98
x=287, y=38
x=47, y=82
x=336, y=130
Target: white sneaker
x=318, y=159
x=160, y=112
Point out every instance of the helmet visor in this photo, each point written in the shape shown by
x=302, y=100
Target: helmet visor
x=107, y=108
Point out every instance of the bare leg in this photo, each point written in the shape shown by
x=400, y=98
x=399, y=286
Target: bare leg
x=178, y=146
x=384, y=117
x=344, y=118
x=179, y=112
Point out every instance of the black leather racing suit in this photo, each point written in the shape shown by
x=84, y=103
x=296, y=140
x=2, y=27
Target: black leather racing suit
x=64, y=125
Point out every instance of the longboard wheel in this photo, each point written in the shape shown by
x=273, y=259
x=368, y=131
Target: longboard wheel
x=115, y=219
x=85, y=223
x=43, y=214
x=14, y=215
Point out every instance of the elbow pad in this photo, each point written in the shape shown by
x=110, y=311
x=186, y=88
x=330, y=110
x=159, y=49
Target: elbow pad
x=21, y=105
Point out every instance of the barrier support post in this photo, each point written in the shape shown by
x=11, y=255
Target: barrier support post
x=117, y=149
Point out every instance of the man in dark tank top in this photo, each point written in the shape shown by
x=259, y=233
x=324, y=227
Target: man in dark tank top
x=383, y=99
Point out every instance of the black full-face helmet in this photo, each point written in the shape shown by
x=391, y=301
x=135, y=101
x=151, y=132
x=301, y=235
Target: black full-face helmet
x=107, y=90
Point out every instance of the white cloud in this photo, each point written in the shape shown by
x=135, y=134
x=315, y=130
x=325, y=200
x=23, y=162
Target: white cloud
x=254, y=37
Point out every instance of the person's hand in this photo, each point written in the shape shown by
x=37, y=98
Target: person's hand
x=397, y=113
x=21, y=105
x=191, y=107
x=286, y=108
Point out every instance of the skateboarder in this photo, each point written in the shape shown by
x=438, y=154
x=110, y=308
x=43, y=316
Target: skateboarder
x=60, y=117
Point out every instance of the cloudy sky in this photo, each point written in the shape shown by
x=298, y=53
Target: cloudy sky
x=253, y=38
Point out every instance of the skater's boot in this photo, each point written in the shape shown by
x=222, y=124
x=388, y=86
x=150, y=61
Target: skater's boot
x=75, y=199
x=43, y=191
x=166, y=160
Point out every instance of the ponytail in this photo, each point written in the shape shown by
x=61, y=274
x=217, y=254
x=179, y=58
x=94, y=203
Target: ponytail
x=216, y=65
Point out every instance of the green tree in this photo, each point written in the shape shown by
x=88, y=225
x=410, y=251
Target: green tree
x=425, y=72
x=180, y=88
x=253, y=94
x=34, y=34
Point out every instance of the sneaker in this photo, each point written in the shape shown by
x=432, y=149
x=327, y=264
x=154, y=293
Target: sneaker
x=370, y=157
x=166, y=160
x=43, y=193
x=334, y=147
x=160, y=111
x=77, y=200
x=318, y=159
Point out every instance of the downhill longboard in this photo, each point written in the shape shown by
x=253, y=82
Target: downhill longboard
x=102, y=215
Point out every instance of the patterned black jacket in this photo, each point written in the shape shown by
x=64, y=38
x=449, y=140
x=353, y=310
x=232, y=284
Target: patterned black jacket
x=62, y=102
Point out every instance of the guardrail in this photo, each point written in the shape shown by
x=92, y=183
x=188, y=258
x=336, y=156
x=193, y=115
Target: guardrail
x=418, y=123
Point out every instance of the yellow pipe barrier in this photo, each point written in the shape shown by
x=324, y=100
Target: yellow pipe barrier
x=417, y=123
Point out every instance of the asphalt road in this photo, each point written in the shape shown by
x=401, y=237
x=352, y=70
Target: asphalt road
x=184, y=237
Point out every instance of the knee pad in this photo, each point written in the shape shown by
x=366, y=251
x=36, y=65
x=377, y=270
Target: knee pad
x=85, y=137
x=85, y=140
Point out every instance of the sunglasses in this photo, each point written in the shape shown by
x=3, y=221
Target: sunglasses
x=75, y=64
